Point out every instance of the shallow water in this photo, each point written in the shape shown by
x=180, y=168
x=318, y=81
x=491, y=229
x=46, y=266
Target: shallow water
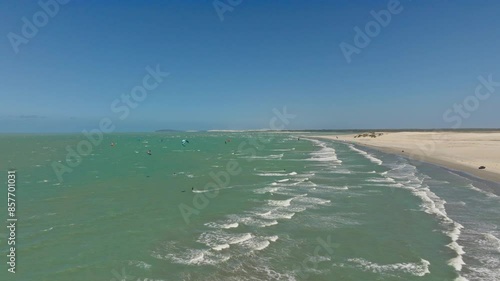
x=263, y=207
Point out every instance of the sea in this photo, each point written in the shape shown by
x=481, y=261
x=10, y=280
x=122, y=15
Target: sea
x=239, y=206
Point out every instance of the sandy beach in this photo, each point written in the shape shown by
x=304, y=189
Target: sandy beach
x=462, y=151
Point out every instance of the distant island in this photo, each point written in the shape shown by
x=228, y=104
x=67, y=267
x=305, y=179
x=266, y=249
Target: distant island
x=167, y=130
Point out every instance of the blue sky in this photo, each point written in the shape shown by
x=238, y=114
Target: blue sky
x=230, y=74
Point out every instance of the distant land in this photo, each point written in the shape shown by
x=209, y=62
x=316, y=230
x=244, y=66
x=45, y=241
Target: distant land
x=167, y=130
x=342, y=130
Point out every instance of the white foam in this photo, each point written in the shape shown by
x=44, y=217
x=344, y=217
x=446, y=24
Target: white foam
x=140, y=264
x=374, y=159
x=219, y=240
x=454, y=233
x=192, y=256
x=230, y=225
x=222, y=225
x=276, y=214
x=280, y=203
x=431, y=204
x=493, y=241
x=325, y=154
x=269, y=223
x=261, y=245
x=416, y=269
x=386, y=179
x=267, y=157
x=457, y=248
x=250, y=221
x=489, y=194
x=317, y=259
x=284, y=180
x=273, y=238
x=339, y=188
x=367, y=155
x=312, y=200
x=457, y=263
x=302, y=181
x=433, y=181
x=268, y=189
x=285, y=149
x=240, y=238
x=342, y=171
x=296, y=209
x=399, y=185
x=256, y=243
x=48, y=229
x=271, y=174
x=221, y=247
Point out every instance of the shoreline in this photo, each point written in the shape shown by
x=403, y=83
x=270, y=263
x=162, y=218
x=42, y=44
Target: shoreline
x=453, y=167
x=440, y=150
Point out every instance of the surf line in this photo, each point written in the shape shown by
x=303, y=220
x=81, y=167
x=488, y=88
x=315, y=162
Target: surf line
x=210, y=191
x=222, y=179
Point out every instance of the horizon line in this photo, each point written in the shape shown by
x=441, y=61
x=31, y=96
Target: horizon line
x=268, y=130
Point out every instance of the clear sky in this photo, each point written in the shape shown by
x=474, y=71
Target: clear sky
x=230, y=74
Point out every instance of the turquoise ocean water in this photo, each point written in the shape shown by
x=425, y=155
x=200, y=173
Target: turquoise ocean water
x=262, y=206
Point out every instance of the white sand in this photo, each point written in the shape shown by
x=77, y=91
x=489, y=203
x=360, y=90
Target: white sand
x=463, y=151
